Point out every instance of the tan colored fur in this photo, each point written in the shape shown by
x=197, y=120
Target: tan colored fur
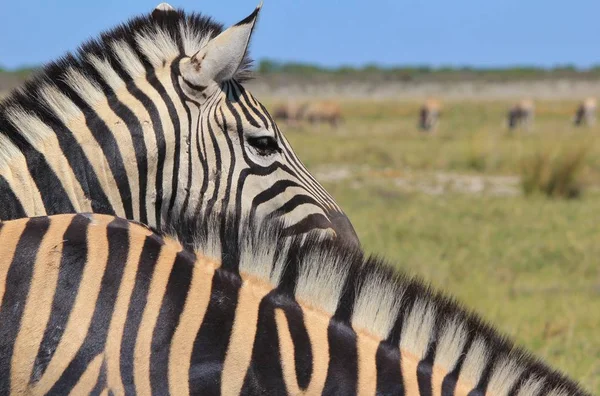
x=417, y=329
x=38, y=307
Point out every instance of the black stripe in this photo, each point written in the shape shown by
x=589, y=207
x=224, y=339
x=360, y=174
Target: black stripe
x=210, y=345
x=303, y=357
x=425, y=371
x=151, y=108
x=175, y=74
x=451, y=379
x=72, y=265
x=253, y=168
x=480, y=389
x=215, y=172
x=101, y=383
x=265, y=371
x=195, y=87
x=95, y=340
x=11, y=207
x=311, y=222
x=342, y=373
x=168, y=319
x=78, y=162
x=53, y=194
x=277, y=188
x=249, y=18
x=160, y=144
x=18, y=281
x=523, y=377
x=137, y=135
x=293, y=203
x=145, y=271
x=295, y=317
x=235, y=96
x=107, y=143
x=174, y=117
x=231, y=165
x=291, y=269
x=251, y=105
x=202, y=154
x=389, y=373
x=232, y=242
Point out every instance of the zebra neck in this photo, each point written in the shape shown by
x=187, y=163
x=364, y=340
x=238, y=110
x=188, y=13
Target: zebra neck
x=120, y=151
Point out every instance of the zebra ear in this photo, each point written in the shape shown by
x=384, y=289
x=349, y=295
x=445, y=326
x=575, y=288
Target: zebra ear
x=220, y=59
x=162, y=7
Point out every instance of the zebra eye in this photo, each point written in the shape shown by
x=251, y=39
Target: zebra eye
x=264, y=145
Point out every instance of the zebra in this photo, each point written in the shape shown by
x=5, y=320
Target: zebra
x=150, y=122
x=94, y=304
x=429, y=114
x=521, y=114
x=586, y=113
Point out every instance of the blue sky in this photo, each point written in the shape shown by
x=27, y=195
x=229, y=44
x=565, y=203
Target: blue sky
x=335, y=32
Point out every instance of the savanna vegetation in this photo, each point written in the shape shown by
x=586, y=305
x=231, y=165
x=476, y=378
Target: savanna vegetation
x=525, y=255
x=426, y=72
x=505, y=221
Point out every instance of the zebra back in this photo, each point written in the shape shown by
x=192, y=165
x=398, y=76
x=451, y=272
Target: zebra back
x=94, y=304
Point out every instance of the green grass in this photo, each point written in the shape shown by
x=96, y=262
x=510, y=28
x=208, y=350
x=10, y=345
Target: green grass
x=528, y=264
x=472, y=137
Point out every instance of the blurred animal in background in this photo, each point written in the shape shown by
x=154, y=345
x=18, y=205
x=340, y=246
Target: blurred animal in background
x=586, y=112
x=289, y=112
x=294, y=113
x=429, y=114
x=521, y=114
x=323, y=112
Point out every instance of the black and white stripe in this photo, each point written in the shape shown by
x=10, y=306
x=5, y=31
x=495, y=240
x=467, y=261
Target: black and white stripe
x=95, y=304
x=139, y=125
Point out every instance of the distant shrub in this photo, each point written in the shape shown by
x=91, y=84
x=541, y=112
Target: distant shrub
x=556, y=175
x=427, y=72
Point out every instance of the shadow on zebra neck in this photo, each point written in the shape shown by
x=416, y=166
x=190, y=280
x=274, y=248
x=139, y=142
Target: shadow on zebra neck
x=96, y=302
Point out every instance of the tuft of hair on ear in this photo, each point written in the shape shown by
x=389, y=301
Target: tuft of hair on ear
x=245, y=72
x=161, y=9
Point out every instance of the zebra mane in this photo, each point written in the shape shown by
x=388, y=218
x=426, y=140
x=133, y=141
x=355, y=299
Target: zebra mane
x=370, y=295
x=131, y=49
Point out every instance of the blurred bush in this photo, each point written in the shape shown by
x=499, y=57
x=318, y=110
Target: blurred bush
x=556, y=174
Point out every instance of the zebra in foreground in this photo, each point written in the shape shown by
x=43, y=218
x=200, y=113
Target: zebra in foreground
x=151, y=122
x=92, y=304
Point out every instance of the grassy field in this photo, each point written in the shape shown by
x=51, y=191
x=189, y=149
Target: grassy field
x=528, y=264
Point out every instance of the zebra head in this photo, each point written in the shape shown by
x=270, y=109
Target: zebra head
x=243, y=162
x=151, y=122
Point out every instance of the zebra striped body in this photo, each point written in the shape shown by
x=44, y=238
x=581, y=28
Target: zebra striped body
x=92, y=304
x=150, y=122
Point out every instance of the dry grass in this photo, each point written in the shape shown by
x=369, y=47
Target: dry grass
x=557, y=175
